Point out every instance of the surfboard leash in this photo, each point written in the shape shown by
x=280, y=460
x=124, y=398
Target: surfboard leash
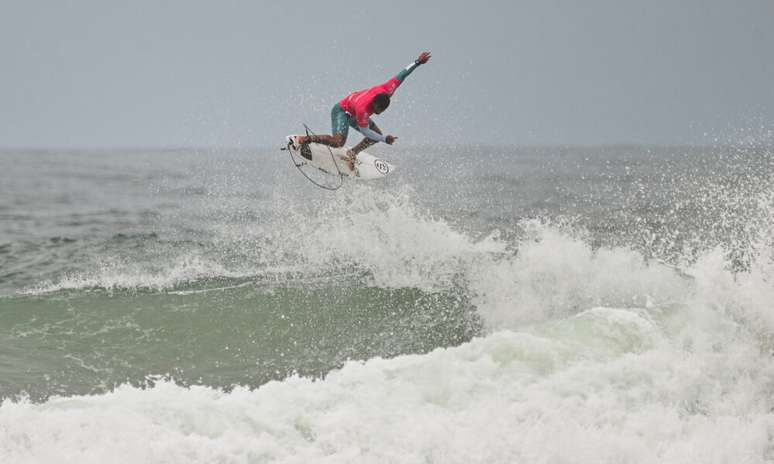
x=298, y=165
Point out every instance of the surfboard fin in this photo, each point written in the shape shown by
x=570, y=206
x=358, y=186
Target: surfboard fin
x=306, y=152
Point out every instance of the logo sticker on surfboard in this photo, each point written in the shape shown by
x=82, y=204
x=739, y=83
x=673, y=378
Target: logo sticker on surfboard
x=381, y=166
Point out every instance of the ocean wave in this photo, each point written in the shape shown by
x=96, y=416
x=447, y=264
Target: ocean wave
x=538, y=272
x=590, y=351
x=605, y=385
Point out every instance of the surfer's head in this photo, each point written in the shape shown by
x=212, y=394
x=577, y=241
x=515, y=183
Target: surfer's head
x=381, y=102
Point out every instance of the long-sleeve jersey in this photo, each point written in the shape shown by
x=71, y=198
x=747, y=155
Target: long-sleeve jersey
x=359, y=104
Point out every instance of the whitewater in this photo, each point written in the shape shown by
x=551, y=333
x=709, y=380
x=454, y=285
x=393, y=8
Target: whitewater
x=582, y=305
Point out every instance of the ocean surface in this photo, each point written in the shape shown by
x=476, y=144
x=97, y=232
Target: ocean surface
x=481, y=305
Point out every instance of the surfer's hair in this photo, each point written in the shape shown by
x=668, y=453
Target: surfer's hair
x=382, y=101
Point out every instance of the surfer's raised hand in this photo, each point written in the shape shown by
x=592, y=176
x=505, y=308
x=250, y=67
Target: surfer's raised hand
x=424, y=57
x=390, y=139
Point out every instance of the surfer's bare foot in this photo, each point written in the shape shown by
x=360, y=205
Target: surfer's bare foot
x=350, y=159
x=295, y=140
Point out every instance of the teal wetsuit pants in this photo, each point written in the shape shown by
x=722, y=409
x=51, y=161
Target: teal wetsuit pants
x=341, y=122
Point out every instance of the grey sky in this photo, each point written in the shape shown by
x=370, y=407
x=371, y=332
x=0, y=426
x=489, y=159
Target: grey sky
x=170, y=73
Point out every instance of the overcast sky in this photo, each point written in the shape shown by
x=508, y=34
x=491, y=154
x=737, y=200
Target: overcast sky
x=142, y=73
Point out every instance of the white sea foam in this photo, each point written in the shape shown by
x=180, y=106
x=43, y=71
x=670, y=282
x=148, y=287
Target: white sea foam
x=399, y=244
x=554, y=275
x=387, y=236
x=590, y=356
x=676, y=368
x=605, y=385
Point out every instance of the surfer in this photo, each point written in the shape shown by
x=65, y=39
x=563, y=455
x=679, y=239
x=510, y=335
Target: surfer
x=356, y=109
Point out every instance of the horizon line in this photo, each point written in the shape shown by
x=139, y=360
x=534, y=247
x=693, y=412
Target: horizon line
x=171, y=148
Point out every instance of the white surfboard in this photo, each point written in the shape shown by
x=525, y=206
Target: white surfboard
x=367, y=167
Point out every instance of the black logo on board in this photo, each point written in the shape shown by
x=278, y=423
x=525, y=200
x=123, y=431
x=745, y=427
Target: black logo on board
x=381, y=166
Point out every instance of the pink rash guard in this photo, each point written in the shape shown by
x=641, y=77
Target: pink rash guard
x=359, y=104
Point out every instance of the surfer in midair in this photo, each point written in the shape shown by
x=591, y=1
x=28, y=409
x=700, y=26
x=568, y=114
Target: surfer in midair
x=356, y=109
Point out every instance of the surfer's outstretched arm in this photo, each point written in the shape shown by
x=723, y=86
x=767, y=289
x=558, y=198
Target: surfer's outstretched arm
x=364, y=127
x=395, y=81
x=391, y=85
x=423, y=58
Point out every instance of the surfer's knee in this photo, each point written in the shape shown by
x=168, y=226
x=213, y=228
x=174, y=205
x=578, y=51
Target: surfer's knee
x=338, y=141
